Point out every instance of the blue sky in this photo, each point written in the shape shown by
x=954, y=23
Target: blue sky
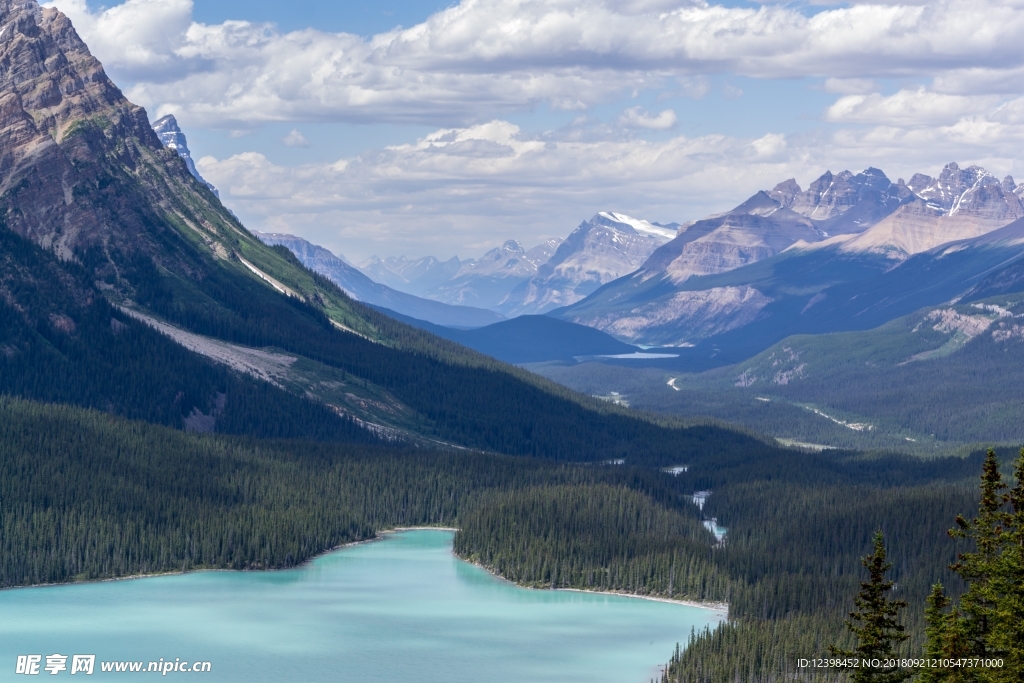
x=362, y=18
x=406, y=127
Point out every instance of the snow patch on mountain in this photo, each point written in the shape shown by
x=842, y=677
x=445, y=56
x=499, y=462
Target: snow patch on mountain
x=639, y=225
x=170, y=135
x=600, y=250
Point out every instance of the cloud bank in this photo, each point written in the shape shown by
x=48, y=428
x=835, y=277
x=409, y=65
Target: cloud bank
x=485, y=57
x=461, y=190
x=479, y=179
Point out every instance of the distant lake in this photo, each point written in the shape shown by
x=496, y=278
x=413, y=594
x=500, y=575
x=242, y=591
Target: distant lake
x=400, y=609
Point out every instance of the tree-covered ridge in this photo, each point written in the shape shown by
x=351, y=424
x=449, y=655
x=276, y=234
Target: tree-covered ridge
x=593, y=537
x=87, y=495
x=940, y=379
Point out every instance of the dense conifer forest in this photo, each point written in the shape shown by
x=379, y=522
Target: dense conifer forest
x=99, y=477
x=529, y=472
x=85, y=495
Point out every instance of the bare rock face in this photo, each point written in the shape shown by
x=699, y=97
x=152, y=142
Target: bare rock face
x=843, y=203
x=600, y=250
x=970, y=191
x=81, y=171
x=755, y=230
x=172, y=137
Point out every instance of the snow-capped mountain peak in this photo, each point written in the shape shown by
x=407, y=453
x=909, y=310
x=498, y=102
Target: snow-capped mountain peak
x=641, y=226
x=166, y=128
x=600, y=250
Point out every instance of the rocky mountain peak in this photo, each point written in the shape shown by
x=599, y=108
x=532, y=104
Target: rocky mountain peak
x=832, y=195
x=943, y=192
x=79, y=165
x=513, y=247
x=785, y=192
x=598, y=251
x=761, y=204
x=166, y=128
x=970, y=191
x=58, y=111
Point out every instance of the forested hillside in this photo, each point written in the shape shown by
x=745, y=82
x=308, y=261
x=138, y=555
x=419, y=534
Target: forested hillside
x=149, y=499
x=938, y=380
x=134, y=307
x=87, y=495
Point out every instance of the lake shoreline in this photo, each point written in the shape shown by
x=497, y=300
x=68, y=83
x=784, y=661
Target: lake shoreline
x=346, y=613
x=179, y=572
x=721, y=608
x=718, y=607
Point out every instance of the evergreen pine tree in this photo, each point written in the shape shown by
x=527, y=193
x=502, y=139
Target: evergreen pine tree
x=978, y=604
x=1007, y=633
x=875, y=623
x=989, y=621
x=945, y=638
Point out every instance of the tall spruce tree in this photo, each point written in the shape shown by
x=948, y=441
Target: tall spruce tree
x=945, y=639
x=875, y=623
x=978, y=603
x=988, y=623
x=1007, y=632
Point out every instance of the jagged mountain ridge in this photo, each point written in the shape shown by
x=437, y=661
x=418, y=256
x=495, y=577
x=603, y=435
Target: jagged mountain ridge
x=600, y=250
x=362, y=288
x=514, y=281
x=682, y=296
x=87, y=187
x=486, y=282
x=412, y=276
x=959, y=204
x=483, y=282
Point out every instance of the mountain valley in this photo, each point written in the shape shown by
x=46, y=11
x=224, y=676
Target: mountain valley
x=360, y=287
x=903, y=252
x=725, y=412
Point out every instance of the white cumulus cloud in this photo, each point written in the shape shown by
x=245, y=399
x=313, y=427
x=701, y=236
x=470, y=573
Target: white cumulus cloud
x=468, y=189
x=483, y=57
x=479, y=179
x=636, y=117
x=295, y=139
x=909, y=108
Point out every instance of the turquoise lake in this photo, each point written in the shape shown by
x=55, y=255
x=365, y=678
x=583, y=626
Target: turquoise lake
x=399, y=609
